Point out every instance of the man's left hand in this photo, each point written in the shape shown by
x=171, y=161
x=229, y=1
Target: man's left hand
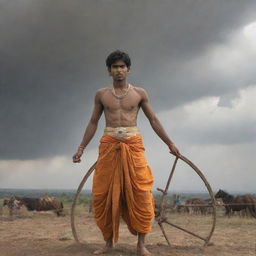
x=174, y=150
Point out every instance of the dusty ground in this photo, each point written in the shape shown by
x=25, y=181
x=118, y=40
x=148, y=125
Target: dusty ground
x=38, y=234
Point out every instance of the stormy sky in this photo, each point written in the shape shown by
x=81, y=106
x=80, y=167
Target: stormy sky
x=196, y=59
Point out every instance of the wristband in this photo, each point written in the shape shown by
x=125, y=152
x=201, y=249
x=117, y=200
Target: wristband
x=81, y=148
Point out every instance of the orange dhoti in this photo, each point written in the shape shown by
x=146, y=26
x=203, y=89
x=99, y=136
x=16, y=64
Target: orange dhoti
x=122, y=185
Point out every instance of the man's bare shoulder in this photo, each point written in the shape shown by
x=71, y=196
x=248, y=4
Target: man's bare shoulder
x=102, y=91
x=141, y=91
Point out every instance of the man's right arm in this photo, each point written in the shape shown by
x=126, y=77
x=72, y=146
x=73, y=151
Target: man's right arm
x=91, y=127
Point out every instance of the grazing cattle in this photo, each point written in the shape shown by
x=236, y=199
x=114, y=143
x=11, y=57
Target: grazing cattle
x=238, y=203
x=45, y=203
x=196, y=206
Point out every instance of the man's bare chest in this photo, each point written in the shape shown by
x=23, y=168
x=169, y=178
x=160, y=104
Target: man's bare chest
x=129, y=103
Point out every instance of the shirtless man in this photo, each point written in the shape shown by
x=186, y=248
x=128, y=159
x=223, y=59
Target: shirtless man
x=120, y=104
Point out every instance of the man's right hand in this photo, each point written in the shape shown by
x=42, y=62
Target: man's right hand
x=77, y=156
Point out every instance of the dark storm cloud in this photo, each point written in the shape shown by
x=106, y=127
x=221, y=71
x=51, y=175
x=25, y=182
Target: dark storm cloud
x=52, y=61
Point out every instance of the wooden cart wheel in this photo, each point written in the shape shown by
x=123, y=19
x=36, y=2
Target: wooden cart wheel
x=161, y=218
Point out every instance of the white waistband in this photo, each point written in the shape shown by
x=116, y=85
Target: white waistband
x=122, y=132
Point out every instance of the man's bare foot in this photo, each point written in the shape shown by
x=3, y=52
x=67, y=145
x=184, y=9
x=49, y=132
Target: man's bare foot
x=103, y=251
x=108, y=247
x=142, y=251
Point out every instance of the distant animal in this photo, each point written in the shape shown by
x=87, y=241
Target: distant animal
x=237, y=203
x=209, y=203
x=12, y=204
x=166, y=207
x=45, y=203
x=196, y=206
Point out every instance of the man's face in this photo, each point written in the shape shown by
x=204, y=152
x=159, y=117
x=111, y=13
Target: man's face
x=119, y=70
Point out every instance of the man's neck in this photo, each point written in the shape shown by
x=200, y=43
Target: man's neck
x=120, y=84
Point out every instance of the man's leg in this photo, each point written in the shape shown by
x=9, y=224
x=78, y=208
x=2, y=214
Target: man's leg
x=141, y=249
x=108, y=247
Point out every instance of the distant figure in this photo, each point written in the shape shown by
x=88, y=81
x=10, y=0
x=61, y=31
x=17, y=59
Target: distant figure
x=177, y=201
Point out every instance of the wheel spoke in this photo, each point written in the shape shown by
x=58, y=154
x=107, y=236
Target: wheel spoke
x=185, y=230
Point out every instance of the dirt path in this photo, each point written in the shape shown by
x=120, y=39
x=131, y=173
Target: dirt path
x=33, y=234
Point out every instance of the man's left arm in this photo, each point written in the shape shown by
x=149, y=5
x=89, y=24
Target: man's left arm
x=155, y=123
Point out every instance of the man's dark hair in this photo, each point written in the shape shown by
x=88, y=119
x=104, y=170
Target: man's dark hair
x=118, y=55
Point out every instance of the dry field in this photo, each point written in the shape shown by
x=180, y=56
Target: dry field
x=38, y=234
